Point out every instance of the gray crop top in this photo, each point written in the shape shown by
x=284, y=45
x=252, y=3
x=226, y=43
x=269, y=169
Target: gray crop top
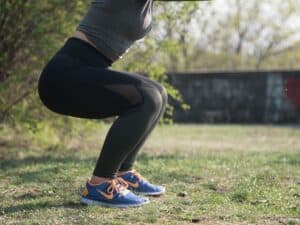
x=114, y=25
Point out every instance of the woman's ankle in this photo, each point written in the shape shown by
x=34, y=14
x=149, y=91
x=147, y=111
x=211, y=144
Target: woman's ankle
x=99, y=180
x=123, y=171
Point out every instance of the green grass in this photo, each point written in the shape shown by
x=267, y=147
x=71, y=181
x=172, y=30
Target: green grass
x=230, y=175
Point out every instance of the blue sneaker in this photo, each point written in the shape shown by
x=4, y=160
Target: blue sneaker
x=140, y=185
x=113, y=193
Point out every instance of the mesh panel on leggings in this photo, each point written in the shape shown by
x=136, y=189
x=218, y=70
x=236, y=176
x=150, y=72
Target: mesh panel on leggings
x=130, y=92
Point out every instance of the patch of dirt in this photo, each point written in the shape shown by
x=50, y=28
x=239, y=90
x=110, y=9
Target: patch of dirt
x=182, y=194
x=29, y=193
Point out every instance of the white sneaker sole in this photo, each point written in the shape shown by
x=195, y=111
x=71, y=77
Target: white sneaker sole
x=151, y=193
x=109, y=205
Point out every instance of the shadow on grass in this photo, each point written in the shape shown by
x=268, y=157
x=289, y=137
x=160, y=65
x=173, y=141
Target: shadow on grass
x=45, y=159
x=52, y=165
x=9, y=164
x=291, y=159
x=147, y=157
x=171, y=173
x=45, y=166
x=41, y=205
x=43, y=175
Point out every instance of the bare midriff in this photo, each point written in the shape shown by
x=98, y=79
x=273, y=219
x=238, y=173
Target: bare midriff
x=82, y=36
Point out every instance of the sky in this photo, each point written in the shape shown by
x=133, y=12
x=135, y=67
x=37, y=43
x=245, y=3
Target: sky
x=271, y=12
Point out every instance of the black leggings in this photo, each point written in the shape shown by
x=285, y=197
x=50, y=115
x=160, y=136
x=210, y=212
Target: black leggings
x=78, y=82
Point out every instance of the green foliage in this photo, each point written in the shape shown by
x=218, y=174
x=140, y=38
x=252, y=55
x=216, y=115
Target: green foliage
x=30, y=33
x=240, y=195
x=151, y=55
x=33, y=31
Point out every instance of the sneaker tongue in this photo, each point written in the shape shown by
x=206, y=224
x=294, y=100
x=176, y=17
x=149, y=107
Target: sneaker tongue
x=124, y=191
x=120, y=186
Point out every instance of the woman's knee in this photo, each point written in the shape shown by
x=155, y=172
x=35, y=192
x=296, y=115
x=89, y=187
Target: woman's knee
x=164, y=94
x=162, y=90
x=153, y=99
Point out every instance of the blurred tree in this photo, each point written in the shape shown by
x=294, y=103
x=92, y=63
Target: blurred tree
x=245, y=34
x=165, y=48
x=30, y=31
x=185, y=36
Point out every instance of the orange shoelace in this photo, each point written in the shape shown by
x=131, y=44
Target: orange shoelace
x=117, y=184
x=138, y=175
x=135, y=173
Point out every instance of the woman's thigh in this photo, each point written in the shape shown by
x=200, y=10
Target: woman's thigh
x=89, y=92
